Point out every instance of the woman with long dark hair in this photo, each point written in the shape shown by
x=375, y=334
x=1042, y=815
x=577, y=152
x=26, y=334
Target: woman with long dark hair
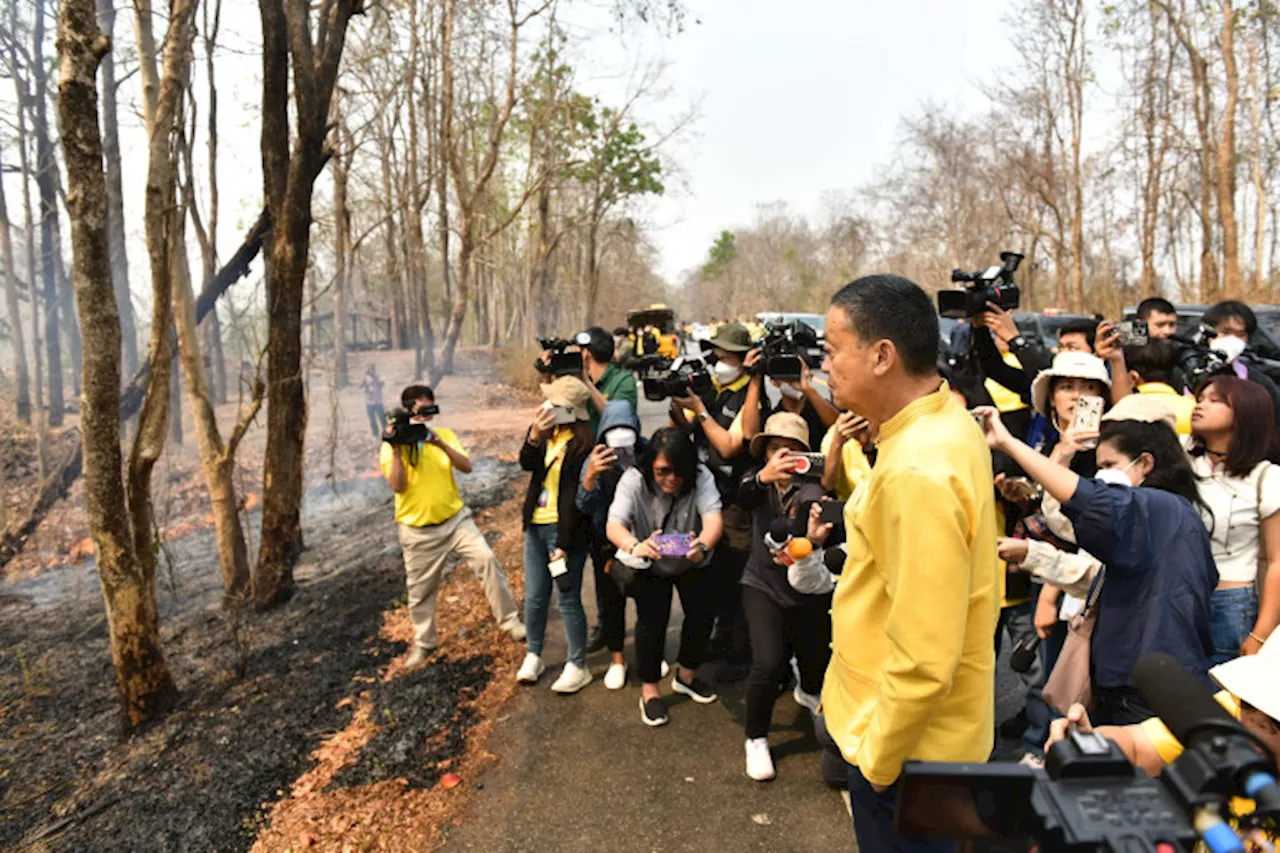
x=556, y=534
x=1138, y=516
x=668, y=494
x=1233, y=449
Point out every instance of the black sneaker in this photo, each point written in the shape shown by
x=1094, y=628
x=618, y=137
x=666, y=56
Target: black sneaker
x=653, y=713
x=697, y=689
x=595, y=640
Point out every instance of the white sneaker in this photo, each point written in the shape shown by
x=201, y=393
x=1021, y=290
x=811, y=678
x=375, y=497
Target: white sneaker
x=572, y=679
x=531, y=670
x=806, y=700
x=666, y=669
x=759, y=761
x=616, y=677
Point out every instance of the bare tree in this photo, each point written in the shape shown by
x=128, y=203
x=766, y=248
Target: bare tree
x=115, y=190
x=145, y=686
x=47, y=186
x=22, y=380
x=313, y=50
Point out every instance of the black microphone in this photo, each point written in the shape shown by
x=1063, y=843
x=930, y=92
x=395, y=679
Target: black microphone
x=834, y=558
x=779, y=533
x=1222, y=756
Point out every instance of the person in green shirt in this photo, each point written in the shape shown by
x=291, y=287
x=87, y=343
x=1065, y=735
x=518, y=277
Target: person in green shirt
x=604, y=380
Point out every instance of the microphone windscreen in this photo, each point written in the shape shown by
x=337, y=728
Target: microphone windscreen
x=834, y=559
x=799, y=548
x=1178, y=698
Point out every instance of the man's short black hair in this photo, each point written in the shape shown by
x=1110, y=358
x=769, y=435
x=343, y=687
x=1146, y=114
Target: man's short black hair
x=1155, y=305
x=620, y=332
x=1088, y=328
x=890, y=307
x=414, y=393
x=601, y=346
x=1232, y=308
x=1154, y=362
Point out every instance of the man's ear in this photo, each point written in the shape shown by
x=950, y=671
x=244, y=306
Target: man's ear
x=883, y=355
x=1134, y=379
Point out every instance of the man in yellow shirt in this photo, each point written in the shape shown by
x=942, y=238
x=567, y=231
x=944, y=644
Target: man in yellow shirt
x=435, y=524
x=912, y=673
x=1250, y=693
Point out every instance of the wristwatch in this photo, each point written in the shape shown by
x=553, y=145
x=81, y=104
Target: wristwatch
x=1018, y=342
x=702, y=416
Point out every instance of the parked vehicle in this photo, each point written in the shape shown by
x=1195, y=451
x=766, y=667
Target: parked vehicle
x=817, y=322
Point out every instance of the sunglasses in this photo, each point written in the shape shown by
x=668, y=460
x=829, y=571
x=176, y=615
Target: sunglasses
x=661, y=473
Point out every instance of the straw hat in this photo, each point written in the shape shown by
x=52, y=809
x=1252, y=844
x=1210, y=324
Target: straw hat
x=781, y=425
x=1143, y=407
x=1254, y=678
x=1076, y=365
x=569, y=392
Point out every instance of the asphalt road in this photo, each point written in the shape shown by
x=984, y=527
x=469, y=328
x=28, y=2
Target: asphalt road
x=582, y=773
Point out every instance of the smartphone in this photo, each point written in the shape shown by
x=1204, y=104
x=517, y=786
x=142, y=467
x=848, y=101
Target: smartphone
x=832, y=512
x=674, y=544
x=562, y=415
x=1088, y=415
x=1133, y=333
x=811, y=465
x=626, y=456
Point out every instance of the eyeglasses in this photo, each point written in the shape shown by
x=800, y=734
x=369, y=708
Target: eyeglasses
x=661, y=473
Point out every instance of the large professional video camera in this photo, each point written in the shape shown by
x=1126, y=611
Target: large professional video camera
x=562, y=362
x=1195, y=358
x=1089, y=797
x=787, y=347
x=663, y=378
x=402, y=429
x=994, y=284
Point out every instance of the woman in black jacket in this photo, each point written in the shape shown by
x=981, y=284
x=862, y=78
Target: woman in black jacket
x=556, y=535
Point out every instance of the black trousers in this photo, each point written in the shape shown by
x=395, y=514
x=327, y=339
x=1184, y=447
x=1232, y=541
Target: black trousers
x=776, y=632
x=652, y=594
x=611, y=604
x=727, y=564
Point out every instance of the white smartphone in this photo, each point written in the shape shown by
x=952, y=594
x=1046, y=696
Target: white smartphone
x=557, y=567
x=1088, y=415
x=563, y=416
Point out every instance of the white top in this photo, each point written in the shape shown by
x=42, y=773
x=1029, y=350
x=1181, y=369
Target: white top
x=1236, y=514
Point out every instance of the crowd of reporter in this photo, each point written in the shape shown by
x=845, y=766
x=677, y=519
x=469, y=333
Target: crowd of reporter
x=1154, y=528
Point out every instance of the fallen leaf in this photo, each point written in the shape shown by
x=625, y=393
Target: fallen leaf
x=450, y=780
x=761, y=819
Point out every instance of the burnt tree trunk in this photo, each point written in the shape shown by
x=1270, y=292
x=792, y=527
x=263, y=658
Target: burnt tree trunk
x=48, y=190
x=145, y=686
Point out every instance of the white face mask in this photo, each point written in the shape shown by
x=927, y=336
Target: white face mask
x=1116, y=476
x=621, y=437
x=726, y=373
x=790, y=391
x=1229, y=345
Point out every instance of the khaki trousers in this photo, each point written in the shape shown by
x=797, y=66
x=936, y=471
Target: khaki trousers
x=425, y=551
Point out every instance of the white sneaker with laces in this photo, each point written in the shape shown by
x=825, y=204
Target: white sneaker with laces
x=806, y=700
x=759, y=760
x=572, y=679
x=616, y=677
x=531, y=670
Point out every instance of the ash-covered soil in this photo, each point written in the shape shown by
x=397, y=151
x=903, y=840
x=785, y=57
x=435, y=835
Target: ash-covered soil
x=199, y=779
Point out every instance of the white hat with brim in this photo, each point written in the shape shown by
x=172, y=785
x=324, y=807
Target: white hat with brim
x=1074, y=365
x=1254, y=679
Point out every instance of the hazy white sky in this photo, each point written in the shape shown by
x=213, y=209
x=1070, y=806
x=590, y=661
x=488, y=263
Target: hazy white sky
x=795, y=99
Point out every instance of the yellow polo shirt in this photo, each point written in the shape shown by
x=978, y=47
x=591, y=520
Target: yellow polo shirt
x=854, y=468
x=1181, y=404
x=912, y=668
x=430, y=494
x=548, y=509
x=1005, y=400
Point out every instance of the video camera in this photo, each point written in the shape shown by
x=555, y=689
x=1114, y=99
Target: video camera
x=663, y=378
x=563, y=363
x=787, y=347
x=1090, y=797
x=994, y=285
x=1197, y=360
x=402, y=429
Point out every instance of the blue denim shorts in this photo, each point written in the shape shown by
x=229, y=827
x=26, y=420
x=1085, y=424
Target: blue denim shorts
x=1232, y=613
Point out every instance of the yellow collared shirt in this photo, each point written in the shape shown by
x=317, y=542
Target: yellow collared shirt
x=1005, y=400
x=1181, y=404
x=854, y=467
x=912, y=669
x=431, y=494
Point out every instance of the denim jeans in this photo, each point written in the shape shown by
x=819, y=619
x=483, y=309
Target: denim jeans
x=1232, y=613
x=1039, y=712
x=539, y=542
x=377, y=419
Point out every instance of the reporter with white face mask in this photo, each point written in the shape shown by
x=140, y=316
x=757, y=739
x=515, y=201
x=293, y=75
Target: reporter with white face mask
x=800, y=397
x=1138, y=517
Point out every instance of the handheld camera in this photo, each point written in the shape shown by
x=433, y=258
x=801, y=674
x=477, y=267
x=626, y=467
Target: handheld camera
x=994, y=284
